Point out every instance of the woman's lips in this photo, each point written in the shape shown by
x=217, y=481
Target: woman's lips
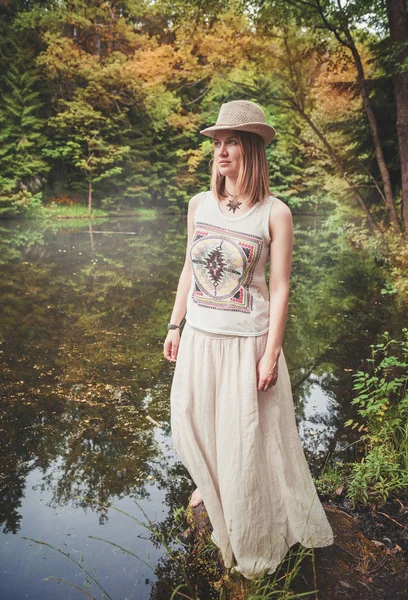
x=224, y=162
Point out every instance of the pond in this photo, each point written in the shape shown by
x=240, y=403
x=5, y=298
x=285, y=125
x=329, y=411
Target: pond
x=85, y=414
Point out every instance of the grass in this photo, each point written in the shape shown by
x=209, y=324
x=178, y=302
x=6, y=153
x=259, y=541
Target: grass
x=80, y=211
x=73, y=211
x=196, y=566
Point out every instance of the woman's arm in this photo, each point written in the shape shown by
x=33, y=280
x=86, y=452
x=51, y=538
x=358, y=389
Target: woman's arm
x=180, y=304
x=281, y=230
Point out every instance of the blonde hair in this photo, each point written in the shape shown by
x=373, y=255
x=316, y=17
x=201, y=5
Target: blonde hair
x=253, y=177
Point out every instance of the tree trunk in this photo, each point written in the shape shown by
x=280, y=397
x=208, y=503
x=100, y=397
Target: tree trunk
x=340, y=168
x=398, y=22
x=90, y=198
x=382, y=165
x=97, y=43
x=341, y=31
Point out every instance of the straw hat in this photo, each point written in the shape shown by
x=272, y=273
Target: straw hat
x=244, y=116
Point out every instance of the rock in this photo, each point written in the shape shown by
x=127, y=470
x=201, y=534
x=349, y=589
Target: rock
x=353, y=568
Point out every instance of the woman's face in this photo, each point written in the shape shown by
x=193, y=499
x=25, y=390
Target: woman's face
x=227, y=152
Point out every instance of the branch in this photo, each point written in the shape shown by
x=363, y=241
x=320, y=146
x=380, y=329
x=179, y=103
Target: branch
x=331, y=27
x=198, y=97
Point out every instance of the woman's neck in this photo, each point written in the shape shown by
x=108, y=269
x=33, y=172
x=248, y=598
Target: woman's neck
x=230, y=184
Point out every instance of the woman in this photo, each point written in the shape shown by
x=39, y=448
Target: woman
x=232, y=416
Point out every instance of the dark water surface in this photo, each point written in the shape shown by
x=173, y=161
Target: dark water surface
x=83, y=319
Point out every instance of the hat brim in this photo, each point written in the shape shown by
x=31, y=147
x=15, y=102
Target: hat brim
x=267, y=132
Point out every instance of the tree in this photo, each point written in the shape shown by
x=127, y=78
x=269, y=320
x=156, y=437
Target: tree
x=22, y=167
x=398, y=23
x=342, y=23
x=86, y=138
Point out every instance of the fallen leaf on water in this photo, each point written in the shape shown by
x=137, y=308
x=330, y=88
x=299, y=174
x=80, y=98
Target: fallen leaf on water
x=154, y=421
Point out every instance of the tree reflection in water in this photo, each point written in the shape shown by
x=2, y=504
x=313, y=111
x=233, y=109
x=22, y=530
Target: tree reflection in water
x=82, y=327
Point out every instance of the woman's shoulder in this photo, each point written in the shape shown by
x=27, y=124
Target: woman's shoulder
x=197, y=198
x=279, y=207
x=194, y=202
x=280, y=217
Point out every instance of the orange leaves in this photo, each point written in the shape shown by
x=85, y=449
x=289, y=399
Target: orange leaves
x=154, y=65
x=337, y=80
x=198, y=53
x=223, y=46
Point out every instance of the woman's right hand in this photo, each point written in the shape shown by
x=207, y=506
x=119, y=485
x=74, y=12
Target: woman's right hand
x=171, y=344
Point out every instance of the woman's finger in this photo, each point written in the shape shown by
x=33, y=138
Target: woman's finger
x=262, y=386
x=174, y=348
x=267, y=383
x=167, y=349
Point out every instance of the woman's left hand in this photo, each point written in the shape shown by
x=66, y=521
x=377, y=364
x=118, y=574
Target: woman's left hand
x=267, y=372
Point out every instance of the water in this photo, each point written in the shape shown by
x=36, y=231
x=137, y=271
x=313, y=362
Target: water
x=83, y=320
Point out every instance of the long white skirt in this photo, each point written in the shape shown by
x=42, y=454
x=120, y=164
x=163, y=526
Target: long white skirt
x=243, y=451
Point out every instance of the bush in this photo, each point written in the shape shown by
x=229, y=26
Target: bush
x=383, y=405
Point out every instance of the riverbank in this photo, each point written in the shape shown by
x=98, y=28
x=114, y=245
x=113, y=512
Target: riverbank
x=368, y=559
x=54, y=210
x=80, y=211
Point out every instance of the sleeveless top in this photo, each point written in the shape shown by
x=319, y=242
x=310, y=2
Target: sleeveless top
x=228, y=292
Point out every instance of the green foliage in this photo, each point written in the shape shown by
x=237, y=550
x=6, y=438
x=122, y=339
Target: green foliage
x=21, y=128
x=86, y=138
x=332, y=478
x=22, y=168
x=22, y=203
x=120, y=96
x=382, y=402
x=387, y=249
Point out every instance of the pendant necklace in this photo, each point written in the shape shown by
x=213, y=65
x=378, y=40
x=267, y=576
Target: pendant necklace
x=233, y=204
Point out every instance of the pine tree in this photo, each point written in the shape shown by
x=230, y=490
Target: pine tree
x=22, y=168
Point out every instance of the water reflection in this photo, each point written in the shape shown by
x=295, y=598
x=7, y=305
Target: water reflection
x=83, y=320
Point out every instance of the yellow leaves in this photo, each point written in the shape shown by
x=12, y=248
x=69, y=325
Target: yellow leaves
x=64, y=58
x=197, y=53
x=154, y=65
x=222, y=46
x=195, y=157
x=187, y=122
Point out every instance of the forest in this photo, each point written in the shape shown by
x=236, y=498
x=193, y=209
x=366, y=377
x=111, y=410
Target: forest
x=102, y=101
x=101, y=107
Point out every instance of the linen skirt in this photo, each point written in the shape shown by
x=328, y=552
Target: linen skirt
x=243, y=451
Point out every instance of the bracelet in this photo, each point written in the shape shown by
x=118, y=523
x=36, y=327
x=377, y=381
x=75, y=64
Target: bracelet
x=173, y=326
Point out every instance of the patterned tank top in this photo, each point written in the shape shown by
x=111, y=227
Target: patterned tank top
x=228, y=292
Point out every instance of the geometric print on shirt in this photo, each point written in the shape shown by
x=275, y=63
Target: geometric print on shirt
x=223, y=262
